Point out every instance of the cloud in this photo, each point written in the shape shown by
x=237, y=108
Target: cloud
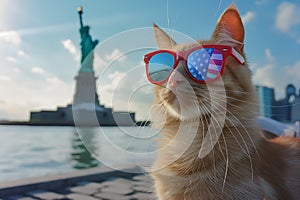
x=127, y=90
x=102, y=61
x=269, y=55
x=4, y=78
x=249, y=16
x=287, y=16
x=54, y=80
x=11, y=59
x=33, y=93
x=115, y=54
x=71, y=48
x=293, y=72
x=17, y=70
x=265, y=75
x=11, y=37
x=271, y=75
x=38, y=70
x=22, y=54
x=260, y=2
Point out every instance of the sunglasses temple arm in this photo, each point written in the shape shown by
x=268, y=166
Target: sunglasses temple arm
x=238, y=56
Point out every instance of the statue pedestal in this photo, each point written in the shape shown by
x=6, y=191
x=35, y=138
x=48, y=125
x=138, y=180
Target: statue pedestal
x=86, y=89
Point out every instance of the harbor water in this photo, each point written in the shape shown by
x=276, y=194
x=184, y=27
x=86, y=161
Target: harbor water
x=28, y=151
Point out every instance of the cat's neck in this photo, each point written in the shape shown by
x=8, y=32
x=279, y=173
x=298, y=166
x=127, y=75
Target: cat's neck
x=185, y=139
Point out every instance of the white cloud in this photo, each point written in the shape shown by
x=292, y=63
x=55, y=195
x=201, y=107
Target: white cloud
x=269, y=55
x=265, y=75
x=294, y=73
x=70, y=46
x=4, y=78
x=249, y=16
x=17, y=70
x=115, y=54
x=102, y=61
x=287, y=16
x=11, y=37
x=128, y=90
x=22, y=54
x=99, y=62
x=11, y=59
x=54, y=80
x=38, y=70
x=276, y=77
x=298, y=41
x=37, y=94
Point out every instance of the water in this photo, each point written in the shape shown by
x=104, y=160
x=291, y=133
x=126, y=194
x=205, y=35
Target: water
x=27, y=151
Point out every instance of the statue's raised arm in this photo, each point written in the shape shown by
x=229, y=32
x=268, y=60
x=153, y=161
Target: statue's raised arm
x=87, y=45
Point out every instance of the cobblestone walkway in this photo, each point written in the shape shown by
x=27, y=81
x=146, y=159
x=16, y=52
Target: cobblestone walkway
x=114, y=186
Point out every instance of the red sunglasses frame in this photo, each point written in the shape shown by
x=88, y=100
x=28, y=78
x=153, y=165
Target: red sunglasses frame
x=183, y=55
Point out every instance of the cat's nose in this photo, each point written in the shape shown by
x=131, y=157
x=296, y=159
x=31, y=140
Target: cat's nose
x=175, y=79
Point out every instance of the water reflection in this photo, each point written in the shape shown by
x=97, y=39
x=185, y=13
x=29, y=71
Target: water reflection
x=81, y=157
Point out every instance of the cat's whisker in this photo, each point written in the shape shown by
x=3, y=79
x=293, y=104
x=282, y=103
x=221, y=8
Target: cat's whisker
x=249, y=136
x=234, y=125
x=227, y=158
x=227, y=163
x=240, y=100
x=210, y=136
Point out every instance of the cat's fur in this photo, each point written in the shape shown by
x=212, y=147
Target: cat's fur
x=242, y=164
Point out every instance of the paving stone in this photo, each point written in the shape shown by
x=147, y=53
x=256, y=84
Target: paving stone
x=91, y=184
x=118, y=181
x=16, y=197
x=88, y=189
x=142, y=178
x=45, y=195
x=142, y=196
x=145, y=189
x=117, y=190
x=19, y=197
x=142, y=183
x=109, y=196
x=75, y=196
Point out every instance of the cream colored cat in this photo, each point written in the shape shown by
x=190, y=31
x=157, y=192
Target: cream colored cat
x=240, y=164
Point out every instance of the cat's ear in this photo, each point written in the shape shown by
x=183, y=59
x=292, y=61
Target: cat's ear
x=230, y=25
x=163, y=40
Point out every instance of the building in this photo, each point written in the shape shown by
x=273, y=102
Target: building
x=86, y=109
x=265, y=98
x=286, y=109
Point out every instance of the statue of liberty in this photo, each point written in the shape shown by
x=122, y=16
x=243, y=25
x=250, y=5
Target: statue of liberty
x=87, y=46
x=86, y=91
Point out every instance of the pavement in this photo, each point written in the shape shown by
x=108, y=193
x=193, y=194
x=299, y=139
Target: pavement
x=91, y=184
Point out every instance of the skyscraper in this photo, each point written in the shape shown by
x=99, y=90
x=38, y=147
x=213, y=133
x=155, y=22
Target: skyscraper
x=265, y=97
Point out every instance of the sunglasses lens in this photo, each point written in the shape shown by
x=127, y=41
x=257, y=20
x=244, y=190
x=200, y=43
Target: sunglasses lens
x=160, y=66
x=205, y=64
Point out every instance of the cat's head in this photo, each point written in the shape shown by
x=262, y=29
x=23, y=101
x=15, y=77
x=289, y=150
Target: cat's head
x=184, y=99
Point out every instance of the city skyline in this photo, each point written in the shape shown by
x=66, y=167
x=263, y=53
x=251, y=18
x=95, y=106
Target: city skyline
x=41, y=54
x=286, y=109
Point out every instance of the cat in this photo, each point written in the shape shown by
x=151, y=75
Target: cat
x=238, y=162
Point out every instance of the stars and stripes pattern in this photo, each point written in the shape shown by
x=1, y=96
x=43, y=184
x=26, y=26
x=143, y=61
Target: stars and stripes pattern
x=205, y=64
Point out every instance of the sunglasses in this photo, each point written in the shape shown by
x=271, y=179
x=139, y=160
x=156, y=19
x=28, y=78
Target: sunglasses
x=203, y=64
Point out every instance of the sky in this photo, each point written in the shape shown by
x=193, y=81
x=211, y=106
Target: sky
x=40, y=47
